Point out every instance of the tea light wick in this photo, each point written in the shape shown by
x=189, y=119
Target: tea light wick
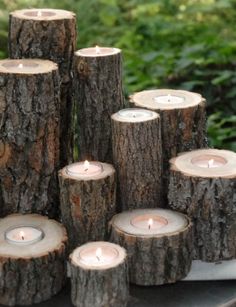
x=86, y=165
x=99, y=254
x=22, y=235
x=210, y=163
x=39, y=14
x=169, y=97
x=98, y=50
x=150, y=223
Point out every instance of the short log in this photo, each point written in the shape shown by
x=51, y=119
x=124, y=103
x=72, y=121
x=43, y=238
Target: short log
x=183, y=124
x=49, y=34
x=29, y=137
x=159, y=252
x=208, y=195
x=98, y=94
x=137, y=155
x=101, y=285
x=32, y=273
x=87, y=205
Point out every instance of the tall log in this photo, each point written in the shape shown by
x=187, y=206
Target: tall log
x=183, y=121
x=137, y=157
x=104, y=284
x=49, y=34
x=158, y=254
x=87, y=205
x=29, y=137
x=32, y=273
x=208, y=196
x=98, y=94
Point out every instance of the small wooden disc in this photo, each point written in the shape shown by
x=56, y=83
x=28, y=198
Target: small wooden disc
x=148, y=99
x=107, y=170
x=186, y=163
x=43, y=14
x=27, y=66
x=91, y=52
x=54, y=236
x=170, y=222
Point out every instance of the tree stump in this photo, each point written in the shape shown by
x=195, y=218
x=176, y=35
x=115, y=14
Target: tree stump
x=29, y=137
x=98, y=94
x=158, y=243
x=137, y=157
x=49, y=34
x=183, y=121
x=208, y=195
x=99, y=284
x=87, y=204
x=35, y=272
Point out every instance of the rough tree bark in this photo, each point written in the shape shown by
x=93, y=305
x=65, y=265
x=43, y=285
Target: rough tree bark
x=98, y=94
x=183, y=125
x=137, y=155
x=29, y=137
x=33, y=273
x=209, y=198
x=52, y=36
x=154, y=259
x=87, y=205
x=102, y=286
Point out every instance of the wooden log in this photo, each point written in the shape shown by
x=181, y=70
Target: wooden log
x=29, y=137
x=158, y=243
x=49, y=34
x=102, y=281
x=183, y=121
x=87, y=204
x=98, y=94
x=207, y=193
x=137, y=157
x=31, y=273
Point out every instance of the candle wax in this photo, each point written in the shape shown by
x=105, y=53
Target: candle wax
x=98, y=256
x=97, y=51
x=23, y=235
x=39, y=13
x=84, y=169
x=165, y=99
x=209, y=161
x=135, y=114
x=20, y=66
x=148, y=221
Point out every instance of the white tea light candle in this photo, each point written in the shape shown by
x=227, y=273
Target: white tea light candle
x=151, y=234
x=134, y=115
x=24, y=235
x=99, y=263
x=167, y=99
x=84, y=169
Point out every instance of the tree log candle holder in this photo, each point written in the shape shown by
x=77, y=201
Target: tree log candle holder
x=158, y=243
x=88, y=200
x=137, y=155
x=29, y=137
x=99, y=275
x=203, y=185
x=32, y=259
x=183, y=121
x=98, y=94
x=48, y=34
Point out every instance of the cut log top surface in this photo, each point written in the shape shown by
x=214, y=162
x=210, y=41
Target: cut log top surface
x=107, y=170
x=54, y=236
x=186, y=163
x=97, y=52
x=42, y=14
x=27, y=66
x=140, y=115
x=119, y=255
x=147, y=99
x=170, y=222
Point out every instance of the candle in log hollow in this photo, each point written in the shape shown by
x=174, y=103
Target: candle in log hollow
x=48, y=34
x=32, y=259
x=88, y=200
x=203, y=185
x=98, y=94
x=137, y=154
x=183, y=121
x=29, y=136
x=99, y=275
x=158, y=243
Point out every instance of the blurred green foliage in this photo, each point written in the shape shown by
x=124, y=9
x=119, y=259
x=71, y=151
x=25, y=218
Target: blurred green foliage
x=187, y=44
